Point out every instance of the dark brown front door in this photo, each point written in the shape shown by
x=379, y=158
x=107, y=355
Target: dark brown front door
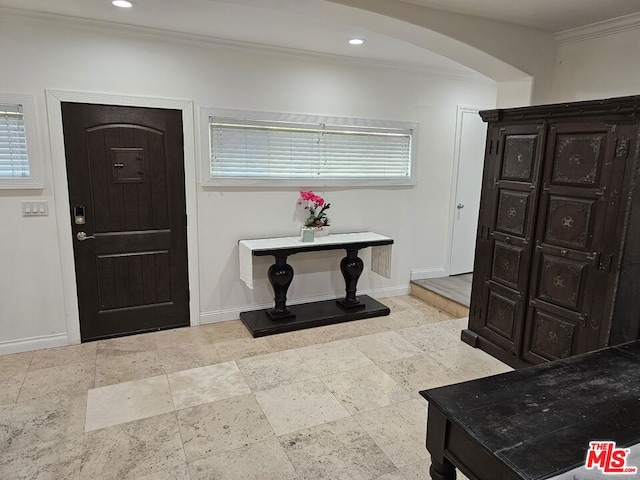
x=125, y=168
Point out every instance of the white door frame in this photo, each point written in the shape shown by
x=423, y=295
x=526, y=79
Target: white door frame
x=61, y=192
x=461, y=111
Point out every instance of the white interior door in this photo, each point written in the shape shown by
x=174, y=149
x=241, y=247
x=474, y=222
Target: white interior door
x=470, y=142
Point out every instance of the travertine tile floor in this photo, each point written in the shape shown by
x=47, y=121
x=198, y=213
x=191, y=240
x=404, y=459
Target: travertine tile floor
x=337, y=402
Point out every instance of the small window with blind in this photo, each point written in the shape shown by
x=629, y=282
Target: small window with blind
x=261, y=148
x=18, y=143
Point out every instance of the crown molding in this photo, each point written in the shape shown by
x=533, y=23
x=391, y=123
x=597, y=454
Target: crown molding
x=599, y=29
x=157, y=34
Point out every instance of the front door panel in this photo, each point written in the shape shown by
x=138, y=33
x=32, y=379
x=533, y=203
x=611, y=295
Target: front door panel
x=125, y=169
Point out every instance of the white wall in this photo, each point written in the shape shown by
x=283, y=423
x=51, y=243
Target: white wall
x=598, y=62
x=87, y=57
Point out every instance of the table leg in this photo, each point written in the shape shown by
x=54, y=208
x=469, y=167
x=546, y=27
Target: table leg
x=351, y=267
x=280, y=276
x=442, y=471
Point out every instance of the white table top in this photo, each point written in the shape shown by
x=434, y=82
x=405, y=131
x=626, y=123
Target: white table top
x=295, y=242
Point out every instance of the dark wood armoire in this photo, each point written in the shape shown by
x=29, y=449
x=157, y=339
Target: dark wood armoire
x=557, y=264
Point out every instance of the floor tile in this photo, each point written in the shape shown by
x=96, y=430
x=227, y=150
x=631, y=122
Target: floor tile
x=207, y=384
x=432, y=337
x=185, y=357
x=112, y=369
x=291, y=340
x=181, y=472
x=243, y=348
x=181, y=336
x=333, y=357
x=365, y=389
x=52, y=357
x=126, y=402
x=225, y=331
x=419, y=373
x=397, y=475
x=50, y=419
x=260, y=461
x=222, y=426
x=42, y=439
x=414, y=317
x=126, y=345
x=337, y=450
x=13, y=370
x=420, y=471
x=15, y=362
x=75, y=378
x=43, y=461
x=469, y=363
x=299, y=405
x=133, y=449
x=399, y=430
x=385, y=346
x=358, y=328
x=274, y=370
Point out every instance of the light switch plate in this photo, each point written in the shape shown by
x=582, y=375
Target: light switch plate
x=35, y=209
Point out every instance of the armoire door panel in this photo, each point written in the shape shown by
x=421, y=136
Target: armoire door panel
x=550, y=337
x=578, y=158
x=519, y=157
x=501, y=323
x=507, y=264
x=562, y=281
x=505, y=231
x=569, y=221
x=513, y=209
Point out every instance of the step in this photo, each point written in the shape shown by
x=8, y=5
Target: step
x=453, y=301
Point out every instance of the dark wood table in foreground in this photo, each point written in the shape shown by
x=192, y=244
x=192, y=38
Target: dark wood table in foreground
x=535, y=423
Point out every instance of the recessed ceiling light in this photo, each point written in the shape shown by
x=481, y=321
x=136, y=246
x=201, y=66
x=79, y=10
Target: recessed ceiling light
x=122, y=3
x=356, y=41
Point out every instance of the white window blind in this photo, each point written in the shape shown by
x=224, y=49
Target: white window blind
x=14, y=162
x=309, y=152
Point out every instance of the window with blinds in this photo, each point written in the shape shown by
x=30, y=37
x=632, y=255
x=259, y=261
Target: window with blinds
x=316, y=150
x=14, y=162
x=19, y=154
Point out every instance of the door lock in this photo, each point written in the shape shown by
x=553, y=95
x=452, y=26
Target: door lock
x=82, y=236
x=460, y=205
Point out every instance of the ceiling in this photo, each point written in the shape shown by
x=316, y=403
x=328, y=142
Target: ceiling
x=550, y=15
x=324, y=27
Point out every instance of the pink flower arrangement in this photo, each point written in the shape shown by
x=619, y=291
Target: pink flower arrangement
x=317, y=207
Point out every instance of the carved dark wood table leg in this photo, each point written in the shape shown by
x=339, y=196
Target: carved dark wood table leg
x=280, y=276
x=351, y=267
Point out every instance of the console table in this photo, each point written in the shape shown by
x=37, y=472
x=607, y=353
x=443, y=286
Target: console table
x=283, y=318
x=537, y=422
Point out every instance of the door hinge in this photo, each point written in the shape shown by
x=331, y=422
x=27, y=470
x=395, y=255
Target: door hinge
x=622, y=148
x=186, y=219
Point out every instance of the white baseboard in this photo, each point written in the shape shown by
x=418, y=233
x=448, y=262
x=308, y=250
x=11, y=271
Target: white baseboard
x=34, y=343
x=225, y=314
x=422, y=273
